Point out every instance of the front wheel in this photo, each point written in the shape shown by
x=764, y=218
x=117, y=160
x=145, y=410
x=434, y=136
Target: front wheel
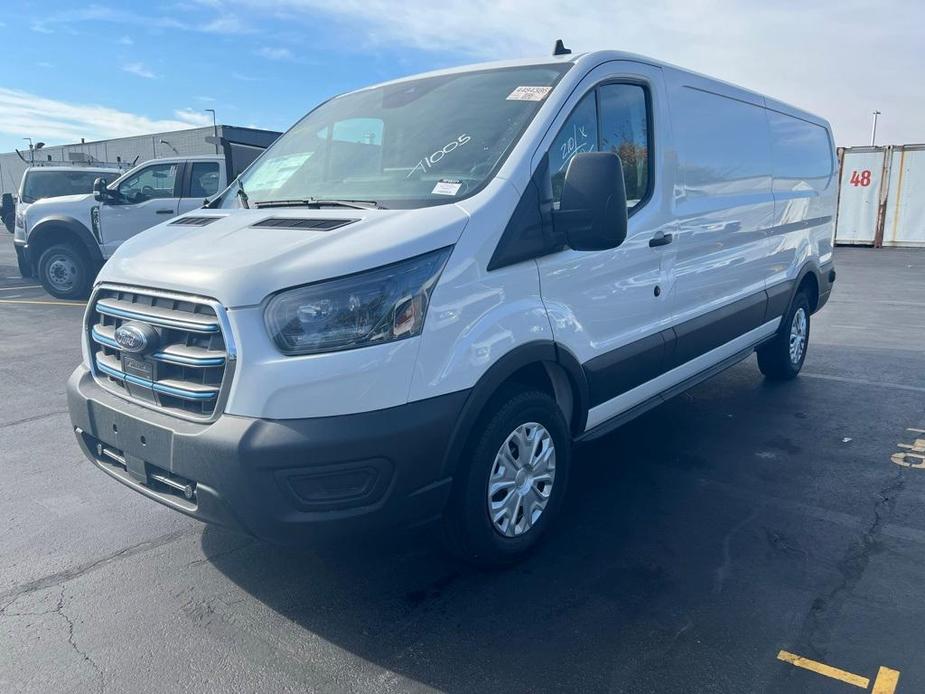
x=512, y=482
x=782, y=358
x=64, y=271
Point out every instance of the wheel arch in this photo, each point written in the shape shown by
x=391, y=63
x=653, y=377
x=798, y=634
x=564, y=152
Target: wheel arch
x=62, y=229
x=542, y=364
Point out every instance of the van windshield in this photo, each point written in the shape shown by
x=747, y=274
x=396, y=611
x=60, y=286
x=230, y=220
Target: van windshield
x=52, y=184
x=418, y=142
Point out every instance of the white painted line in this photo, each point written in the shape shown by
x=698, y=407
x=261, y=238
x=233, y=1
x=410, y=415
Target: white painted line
x=863, y=382
x=25, y=286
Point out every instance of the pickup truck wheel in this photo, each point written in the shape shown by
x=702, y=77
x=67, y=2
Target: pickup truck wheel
x=512, y=482
x=782, y=358
x=64, y=271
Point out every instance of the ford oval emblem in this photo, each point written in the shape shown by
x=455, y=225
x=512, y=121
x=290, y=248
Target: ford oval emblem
x=135, y=337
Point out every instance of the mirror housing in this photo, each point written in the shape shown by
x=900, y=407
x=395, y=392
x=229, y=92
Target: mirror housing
x=592, y=213
x=100, y=192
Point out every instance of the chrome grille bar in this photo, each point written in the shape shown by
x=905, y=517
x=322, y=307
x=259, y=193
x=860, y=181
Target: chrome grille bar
x=188, y=367
x=156, y=315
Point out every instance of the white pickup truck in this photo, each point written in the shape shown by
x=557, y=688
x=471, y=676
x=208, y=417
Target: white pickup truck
x=65, y=240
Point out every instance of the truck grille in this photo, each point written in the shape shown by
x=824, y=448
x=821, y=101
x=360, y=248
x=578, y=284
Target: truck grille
x=188, y=367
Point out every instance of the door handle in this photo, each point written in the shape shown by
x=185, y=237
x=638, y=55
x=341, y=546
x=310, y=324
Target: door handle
x=660, y=239
x=164, y=212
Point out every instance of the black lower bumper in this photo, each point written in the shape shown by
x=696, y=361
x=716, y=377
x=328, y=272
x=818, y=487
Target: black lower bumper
x=24, y=260
x=281, y=480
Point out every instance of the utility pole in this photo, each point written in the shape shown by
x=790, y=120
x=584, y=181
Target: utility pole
x=873, y=132
x=214, y=128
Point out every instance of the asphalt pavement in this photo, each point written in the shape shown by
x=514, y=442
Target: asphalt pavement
x=737, y=521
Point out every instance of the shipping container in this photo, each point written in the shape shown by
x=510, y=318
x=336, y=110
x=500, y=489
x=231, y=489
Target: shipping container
x=881, y=199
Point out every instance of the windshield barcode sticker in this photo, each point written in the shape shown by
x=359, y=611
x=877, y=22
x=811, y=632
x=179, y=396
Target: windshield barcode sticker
x=446, y=187
x=529, y=94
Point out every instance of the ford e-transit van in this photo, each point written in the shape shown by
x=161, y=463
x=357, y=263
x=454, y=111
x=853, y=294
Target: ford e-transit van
x=415, y=302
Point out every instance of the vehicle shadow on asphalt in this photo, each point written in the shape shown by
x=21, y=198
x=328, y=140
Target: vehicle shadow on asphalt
x=642, y=549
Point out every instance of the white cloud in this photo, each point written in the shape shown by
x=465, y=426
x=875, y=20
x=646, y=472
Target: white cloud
x=194, y=118
x=838, y=58
x=23, y=114
x=126, y=41
x=227, y=24
x=45, y=64
x=140, y=70
x=274, y=53
x=205, y=99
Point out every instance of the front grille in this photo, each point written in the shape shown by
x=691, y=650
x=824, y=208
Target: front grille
x=186, y=370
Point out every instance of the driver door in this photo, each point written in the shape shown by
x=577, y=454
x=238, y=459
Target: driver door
x=149, y=196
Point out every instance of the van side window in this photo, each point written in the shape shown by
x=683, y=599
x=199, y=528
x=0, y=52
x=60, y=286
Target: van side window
x=623, y=128
x=625, y=131
x=578, y=135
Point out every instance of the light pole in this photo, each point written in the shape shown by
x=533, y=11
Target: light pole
x=214, y=127
x=873, y=132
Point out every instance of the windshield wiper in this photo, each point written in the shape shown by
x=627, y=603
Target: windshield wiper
x=319, y=202
x=242, y=195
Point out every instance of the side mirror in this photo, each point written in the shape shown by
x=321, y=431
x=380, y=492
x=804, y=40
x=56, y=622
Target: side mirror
x=100, y=192
x=592, y=210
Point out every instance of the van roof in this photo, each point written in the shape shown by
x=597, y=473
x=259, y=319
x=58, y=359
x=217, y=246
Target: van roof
x=594, y=58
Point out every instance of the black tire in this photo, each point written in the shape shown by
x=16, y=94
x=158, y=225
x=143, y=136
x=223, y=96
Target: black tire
x=775, y=358
x=65, y=271
x=470, y=532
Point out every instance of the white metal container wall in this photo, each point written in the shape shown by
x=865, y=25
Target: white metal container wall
x=904, y=224
x=859, y=195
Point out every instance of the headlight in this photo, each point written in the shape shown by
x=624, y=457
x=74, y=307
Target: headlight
x=368, y=308
x=20, y=220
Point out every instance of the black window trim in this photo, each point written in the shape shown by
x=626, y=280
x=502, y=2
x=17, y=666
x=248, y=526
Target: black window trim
x=645, y=85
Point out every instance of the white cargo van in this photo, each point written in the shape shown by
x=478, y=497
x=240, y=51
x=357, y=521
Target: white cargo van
x=415, y=302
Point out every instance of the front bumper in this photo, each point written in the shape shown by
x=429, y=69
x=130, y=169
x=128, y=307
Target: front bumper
x=280, y=480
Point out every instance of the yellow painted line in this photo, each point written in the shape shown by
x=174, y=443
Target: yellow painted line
x=823, y=669
x=25, y=286
x=886, y=682
x=42, y=303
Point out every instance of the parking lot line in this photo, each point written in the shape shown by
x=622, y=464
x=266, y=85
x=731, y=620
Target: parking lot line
x=826, y=670
x=863, y=382
x=23, y=286
x=886, y=682
x=43, y=303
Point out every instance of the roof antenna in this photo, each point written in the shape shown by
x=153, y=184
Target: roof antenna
x=560, y=48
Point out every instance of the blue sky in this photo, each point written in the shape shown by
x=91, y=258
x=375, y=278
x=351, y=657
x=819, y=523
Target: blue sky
x=106, y=69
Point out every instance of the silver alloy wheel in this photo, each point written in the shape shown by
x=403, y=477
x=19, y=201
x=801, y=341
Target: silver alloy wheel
x=62, y=272
x=798, y=336
x=521, y=479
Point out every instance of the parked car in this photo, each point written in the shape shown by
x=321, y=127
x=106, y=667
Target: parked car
x=426, y=291
x=40, y=182
x=65, y=240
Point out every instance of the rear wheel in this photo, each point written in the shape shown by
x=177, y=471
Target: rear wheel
x=783, y=357
x=64, y=271
x=513, y=482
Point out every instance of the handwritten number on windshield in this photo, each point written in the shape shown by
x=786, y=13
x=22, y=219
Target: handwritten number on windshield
x=427, y=163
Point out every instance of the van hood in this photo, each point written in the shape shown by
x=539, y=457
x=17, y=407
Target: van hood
x=238, y=261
